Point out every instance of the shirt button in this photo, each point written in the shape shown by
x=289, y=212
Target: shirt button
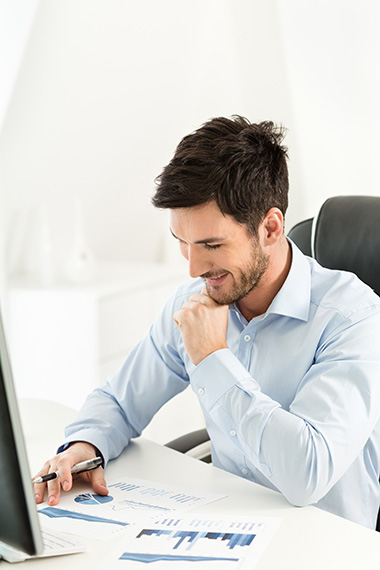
x=233, y=433
x=201, y=391
x=244, y=471
x=247, y=338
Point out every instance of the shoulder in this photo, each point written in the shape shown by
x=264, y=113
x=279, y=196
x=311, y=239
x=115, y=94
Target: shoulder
x=340, y=291
x=183, y=292
x=188, y=288
x=179, y=296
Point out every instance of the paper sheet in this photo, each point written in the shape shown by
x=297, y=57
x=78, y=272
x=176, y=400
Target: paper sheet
x=205, y=541
x=87, y=514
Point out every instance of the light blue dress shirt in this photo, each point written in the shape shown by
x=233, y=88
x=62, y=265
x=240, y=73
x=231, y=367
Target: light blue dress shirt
x=292, y=404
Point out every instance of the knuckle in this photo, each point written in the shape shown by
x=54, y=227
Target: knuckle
x=61, y=460
x=46, y=465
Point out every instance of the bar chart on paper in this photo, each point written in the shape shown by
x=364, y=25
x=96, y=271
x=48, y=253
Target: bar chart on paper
x=213, y=543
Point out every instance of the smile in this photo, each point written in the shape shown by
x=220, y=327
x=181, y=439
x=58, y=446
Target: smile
x=215, y=281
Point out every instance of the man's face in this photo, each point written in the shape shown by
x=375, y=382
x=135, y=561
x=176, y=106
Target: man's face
x=219, y=250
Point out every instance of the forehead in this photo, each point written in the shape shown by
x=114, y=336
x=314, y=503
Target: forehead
x=201, y=222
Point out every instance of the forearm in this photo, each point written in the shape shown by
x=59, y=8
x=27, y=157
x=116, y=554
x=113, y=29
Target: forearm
x=123, y=407
x=302, y=451
x=102, y=423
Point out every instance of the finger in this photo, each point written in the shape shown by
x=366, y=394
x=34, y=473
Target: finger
x=39, y=492
x=54, y=491
x=177, y=318
x=65, y=463
x=39, y=488
x=98, y=481
x=189, y=305
x=199, y=298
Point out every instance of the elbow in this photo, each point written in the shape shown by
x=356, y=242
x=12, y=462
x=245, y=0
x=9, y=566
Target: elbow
x=307, y=486
x=307, y=482
x=304, y=496
x=301, y=499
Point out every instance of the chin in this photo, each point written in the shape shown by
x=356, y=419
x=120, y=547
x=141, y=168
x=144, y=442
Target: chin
x=220, y=298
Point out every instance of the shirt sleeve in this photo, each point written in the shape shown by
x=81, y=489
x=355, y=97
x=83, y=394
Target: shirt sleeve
x=304, y=450
x=119, y=410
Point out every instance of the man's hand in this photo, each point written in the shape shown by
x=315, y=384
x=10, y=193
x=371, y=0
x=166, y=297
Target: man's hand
x=63, y=462
x=203, y=326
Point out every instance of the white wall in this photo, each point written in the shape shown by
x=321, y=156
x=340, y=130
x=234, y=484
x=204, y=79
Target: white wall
x=16, y=20
x=331, y=50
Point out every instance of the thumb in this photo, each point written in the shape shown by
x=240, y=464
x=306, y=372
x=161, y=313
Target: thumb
x=98, y=481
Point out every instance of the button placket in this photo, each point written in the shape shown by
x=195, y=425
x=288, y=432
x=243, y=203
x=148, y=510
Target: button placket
x=246, y=344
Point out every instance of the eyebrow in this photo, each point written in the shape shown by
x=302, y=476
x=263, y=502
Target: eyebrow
x=200, y=241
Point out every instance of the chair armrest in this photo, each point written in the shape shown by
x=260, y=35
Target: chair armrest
x=195, y=444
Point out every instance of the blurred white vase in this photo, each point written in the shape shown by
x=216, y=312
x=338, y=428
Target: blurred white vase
x=81, y=263
x=45, y=250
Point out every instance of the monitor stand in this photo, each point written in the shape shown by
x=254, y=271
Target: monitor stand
x=11, y=554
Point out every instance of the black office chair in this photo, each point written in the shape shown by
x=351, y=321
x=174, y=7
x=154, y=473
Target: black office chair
x=344, y=236
x=195, y=444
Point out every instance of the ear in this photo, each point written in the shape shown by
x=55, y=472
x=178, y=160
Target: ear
x=272, y=226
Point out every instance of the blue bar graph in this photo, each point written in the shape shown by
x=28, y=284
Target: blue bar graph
x=189, y=538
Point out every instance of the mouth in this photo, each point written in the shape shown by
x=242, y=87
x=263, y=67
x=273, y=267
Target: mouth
x=215, y=281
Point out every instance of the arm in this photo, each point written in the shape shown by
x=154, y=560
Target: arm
x=119, y=410
x=305, y=449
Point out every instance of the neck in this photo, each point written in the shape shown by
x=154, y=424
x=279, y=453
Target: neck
x=259, y=299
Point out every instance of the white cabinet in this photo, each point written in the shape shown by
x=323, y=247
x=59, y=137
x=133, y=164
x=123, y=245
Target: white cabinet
x=67, y=339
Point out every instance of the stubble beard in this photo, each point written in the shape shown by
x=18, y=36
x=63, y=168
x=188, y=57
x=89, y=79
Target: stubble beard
x=247, y=280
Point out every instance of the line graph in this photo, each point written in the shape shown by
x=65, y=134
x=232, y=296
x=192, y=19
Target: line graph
x=55, y=513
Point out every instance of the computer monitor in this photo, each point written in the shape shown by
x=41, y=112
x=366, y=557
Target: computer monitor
x=19, y=526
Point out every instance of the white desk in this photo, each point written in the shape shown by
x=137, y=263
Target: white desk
x=307, y=538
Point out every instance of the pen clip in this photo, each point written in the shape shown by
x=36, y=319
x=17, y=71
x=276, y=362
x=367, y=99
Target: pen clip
x=86, y=469
x=95, y=463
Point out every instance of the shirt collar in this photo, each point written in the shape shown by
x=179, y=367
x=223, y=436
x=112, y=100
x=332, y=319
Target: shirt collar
x=293, y=299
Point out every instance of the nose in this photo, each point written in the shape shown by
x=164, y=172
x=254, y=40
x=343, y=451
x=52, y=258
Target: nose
x=197, y=259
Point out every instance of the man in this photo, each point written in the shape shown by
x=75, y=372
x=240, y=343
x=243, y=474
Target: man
x=283, y=354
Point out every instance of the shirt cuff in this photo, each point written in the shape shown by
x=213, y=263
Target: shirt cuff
x=97, y=452
x=216, y=375
x=88, y=436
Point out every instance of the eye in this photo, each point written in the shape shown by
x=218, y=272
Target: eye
x=213, y=246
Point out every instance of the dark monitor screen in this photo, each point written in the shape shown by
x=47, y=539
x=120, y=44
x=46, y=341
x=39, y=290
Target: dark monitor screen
x=19, y=526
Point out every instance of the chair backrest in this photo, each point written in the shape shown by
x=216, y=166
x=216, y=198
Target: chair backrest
x=345, y=235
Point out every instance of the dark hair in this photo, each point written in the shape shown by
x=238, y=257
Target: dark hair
x=242, y=166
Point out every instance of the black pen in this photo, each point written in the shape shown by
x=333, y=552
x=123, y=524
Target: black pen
x=78, y=468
